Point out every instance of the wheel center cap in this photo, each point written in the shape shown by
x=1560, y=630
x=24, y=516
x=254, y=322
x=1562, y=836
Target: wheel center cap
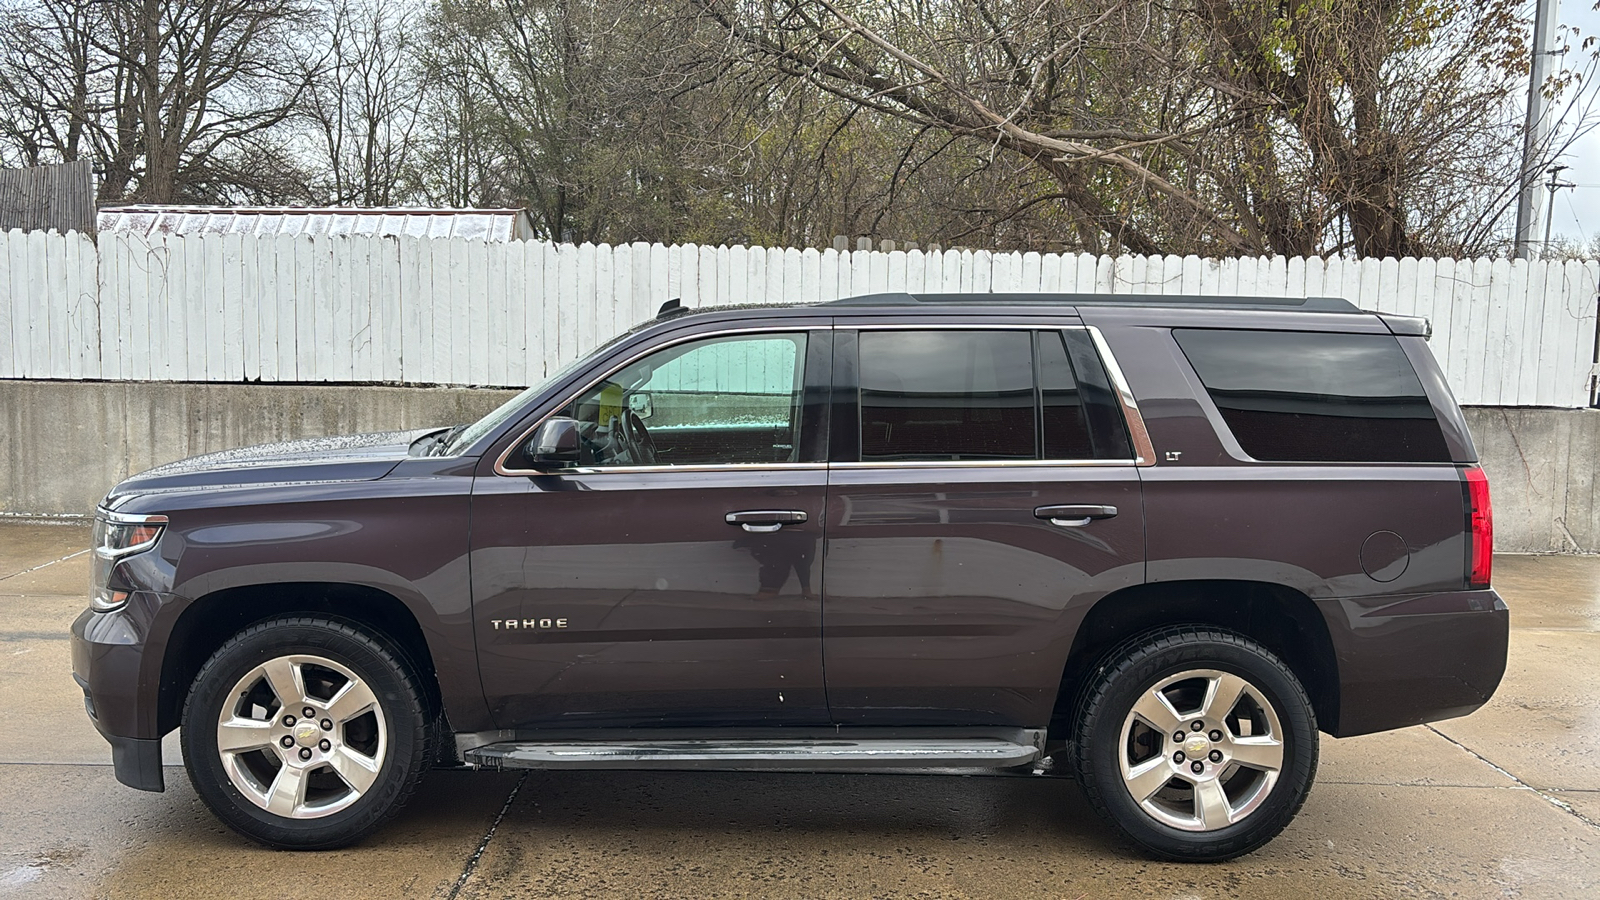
x=306, y=734
x=1196, y=744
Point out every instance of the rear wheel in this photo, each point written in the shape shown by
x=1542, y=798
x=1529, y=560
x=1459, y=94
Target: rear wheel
x=305, y=733
x=1197, y=744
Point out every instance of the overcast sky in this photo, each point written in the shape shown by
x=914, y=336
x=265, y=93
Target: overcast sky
x=1577, y=210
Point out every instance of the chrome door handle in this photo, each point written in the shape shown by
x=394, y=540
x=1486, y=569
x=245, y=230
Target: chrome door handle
x=765, y=521
x=1074, y=515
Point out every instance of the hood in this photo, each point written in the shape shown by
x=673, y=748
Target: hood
x=356, y=457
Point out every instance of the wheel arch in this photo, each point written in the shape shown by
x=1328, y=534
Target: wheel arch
x=1282, y=619
x=209, y=621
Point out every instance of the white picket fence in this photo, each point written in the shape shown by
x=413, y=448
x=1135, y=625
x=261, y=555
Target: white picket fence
x=457, y=311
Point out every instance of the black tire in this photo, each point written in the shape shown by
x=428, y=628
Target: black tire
x=398, y=724
x=1110, y=735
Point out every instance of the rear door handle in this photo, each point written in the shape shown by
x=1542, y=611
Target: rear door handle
x=765, y=521
x=1074, y=515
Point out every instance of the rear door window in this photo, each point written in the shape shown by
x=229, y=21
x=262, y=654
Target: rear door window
x=1295, y=396
x=1107, y=430
x=1066, y=427
x=986, y=395
x=947, y=395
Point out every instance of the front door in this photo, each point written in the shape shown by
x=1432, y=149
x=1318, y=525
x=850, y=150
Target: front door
x=983, y=495
x=674, y=575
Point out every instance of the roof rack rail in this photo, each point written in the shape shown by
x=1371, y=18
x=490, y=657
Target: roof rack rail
x=1306, y=304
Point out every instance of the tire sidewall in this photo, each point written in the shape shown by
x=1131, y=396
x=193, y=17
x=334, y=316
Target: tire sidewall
x=370, y=662
x=1139, y=669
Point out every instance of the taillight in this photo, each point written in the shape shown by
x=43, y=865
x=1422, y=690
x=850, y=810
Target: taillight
x=1480, y=522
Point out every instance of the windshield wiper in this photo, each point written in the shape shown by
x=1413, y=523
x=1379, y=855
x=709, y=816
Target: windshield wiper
x=443, y=441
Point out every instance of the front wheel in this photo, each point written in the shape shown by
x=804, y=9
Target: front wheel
x=1198, y=744
x=305, y=733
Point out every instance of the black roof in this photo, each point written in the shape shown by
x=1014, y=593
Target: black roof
x=1018, y=303
x=1306, y=304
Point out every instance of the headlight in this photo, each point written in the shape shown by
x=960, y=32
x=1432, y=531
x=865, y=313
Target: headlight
x=117, y=536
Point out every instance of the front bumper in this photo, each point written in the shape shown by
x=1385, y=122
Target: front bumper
x=108, y=652
x=1406, y=660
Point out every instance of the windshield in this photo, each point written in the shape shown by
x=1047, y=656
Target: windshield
x=469, y=435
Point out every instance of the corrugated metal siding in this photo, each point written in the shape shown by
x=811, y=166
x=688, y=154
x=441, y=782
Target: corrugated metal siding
x=228, y=307
x=480, y=224
x=48, y=198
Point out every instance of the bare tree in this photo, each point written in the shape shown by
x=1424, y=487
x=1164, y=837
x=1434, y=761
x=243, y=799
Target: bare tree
x=1296, y=127
x=364, y=102
x=173, y=99
x=1382, y=127
x=539, y=103
x=463, y=143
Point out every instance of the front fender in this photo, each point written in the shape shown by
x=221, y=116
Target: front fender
x=403, y=536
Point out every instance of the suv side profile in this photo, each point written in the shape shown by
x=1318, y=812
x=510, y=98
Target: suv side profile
x=1155, y=544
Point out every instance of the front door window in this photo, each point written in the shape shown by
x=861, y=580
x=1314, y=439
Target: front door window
x=718, y=401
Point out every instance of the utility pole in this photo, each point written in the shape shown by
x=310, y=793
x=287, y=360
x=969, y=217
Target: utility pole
x=1536, y=129
x=1550, y=214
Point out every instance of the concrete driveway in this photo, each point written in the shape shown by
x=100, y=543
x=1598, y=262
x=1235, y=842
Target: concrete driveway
x=1505, y=803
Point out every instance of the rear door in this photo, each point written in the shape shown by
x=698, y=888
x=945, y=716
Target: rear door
x=983, y=492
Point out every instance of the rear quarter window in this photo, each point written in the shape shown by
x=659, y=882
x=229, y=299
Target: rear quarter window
x=1294, y=396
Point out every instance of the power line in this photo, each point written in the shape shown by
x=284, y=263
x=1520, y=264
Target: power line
x=1576, y=219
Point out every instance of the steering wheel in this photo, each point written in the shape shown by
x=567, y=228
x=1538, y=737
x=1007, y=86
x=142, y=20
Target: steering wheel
x=641, y=446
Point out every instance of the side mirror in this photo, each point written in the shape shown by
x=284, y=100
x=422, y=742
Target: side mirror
x=641, y=405
x=554, y=444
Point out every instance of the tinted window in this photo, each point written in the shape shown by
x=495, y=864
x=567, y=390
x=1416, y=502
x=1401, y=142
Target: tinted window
x=1107, y=429
x=947, y=395
x=1066, y=428
x=1300, y=396
x=721, y=400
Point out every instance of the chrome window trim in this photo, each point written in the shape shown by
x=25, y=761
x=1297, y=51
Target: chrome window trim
x=666, y=467
x=1143, y=448
x=982, y=463
x=500, y=463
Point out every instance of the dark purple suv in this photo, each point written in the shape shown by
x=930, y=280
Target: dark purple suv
x=1153, y=543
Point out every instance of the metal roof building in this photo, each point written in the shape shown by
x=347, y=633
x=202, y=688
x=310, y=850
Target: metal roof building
x=485, y=224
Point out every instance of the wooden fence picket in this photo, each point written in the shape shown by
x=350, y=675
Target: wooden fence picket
x=409, y=310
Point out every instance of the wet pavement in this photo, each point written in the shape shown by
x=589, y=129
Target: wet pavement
x=1504, y=803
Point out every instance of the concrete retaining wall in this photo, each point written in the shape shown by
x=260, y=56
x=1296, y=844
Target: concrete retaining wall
x=63, y=443
x=1541, y=466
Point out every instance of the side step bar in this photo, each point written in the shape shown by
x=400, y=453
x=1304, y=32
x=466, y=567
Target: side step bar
x=842, y=750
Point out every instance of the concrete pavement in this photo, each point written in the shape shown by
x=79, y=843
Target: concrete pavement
x=1504, y=803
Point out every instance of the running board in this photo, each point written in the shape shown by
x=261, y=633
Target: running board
x=843, y=750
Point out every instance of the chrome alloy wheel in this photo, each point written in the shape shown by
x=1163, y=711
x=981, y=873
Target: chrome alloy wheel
x=1201, y=750
x=302, y=736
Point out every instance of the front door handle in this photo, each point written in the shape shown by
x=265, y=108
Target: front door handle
x=765, y=521
x=1074, y=515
